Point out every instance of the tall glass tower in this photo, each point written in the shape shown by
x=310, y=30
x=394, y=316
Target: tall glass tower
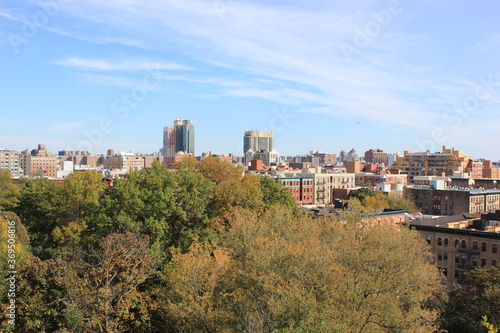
x=178, y=138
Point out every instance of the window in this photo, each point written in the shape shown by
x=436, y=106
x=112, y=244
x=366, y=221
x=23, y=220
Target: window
x=493, y=262
x=463, y=260
x=474, y=245
x=494, y=248
x=474, y=261
x=483, y=246
x=457, y=242
x=446, y=242
x=483, y=262
x=457, y=259
x=457, y=274
x=440, y=241
x=440, y=256
x=445, y=256
x=464, y=244
x=428, y=239
x=445, y=271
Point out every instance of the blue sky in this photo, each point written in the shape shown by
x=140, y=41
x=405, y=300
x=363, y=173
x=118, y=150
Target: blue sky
x=393, y=75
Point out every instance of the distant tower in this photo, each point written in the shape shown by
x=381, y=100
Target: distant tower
x=258, y=140
x=179, y=137
x=259, y=145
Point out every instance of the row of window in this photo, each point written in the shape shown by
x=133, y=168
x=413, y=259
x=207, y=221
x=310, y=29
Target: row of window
x=462, y=260
x=463, y=244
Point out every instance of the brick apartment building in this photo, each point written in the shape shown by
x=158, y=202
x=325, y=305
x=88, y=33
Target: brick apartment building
x=460, y=244
x=40, y=162
x=301, y=188
x=444, y=163
x=376, y=156
x=10, y=160
x=452, y=201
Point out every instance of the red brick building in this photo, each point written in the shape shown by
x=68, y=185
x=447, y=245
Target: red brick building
x=301, y=188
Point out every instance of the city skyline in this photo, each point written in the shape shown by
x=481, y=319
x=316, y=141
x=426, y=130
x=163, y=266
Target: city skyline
x=391, y=75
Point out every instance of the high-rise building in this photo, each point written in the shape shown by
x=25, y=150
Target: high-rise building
x=9, y=159
x=40, y=162
x=184, y=136
x=376, y=156
x=178, y=138
x=259, y=145
x=257, y=141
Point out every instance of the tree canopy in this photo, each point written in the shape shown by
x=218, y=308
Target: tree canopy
x=204, y=247
x=476, y=297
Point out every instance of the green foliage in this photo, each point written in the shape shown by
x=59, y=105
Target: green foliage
x=9, y=191
x=38, y=209
x=98, y=290
x=490, y=327
x=363, y=193
x=374, y=200
x=206, y=248
x=274, y=193
x=56, y=213
x=171, y=207
x=479, y=295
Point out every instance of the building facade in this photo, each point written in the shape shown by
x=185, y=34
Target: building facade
x=376, y=156
x=301, y=188
x=178, y=138
x=452, y=201
x=10, y=160
x=257, y=141
x=259, y=145
x=460, y=244
x=40, y=162
x=444, y=163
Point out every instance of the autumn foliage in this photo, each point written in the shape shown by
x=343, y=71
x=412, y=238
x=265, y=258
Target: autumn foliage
x=205, y=248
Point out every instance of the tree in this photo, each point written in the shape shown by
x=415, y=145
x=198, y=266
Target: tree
x=9, y=191
x=38, y=209
x=170, y=206
x=363, y=193
x=80, y=195
x=402, y=203
x=378, y=201
x=274, y=193
x=289, y=272
x=98, y=290
x=193, y=302
x=477, y=296
x=232, y=189
x=14, y=252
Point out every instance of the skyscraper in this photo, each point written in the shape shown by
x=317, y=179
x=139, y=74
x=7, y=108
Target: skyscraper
x=260, y=145
x=184, y=136
x=257, y=141
x=178, y=138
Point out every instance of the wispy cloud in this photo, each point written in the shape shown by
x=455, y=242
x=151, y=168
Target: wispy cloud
x=128, y=64
x=283, y=54
x=487, y=44
x=65, y=127
x=107, y=80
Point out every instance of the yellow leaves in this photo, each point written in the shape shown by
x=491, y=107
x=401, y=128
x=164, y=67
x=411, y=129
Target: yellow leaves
x=69, y=234
x=284, y=270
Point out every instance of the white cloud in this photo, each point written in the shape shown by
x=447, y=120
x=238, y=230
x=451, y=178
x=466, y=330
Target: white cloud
x=128, y=64
x=285, y=55
x=65, y=127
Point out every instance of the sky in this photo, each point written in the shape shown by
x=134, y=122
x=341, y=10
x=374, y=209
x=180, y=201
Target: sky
x=322, y=75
